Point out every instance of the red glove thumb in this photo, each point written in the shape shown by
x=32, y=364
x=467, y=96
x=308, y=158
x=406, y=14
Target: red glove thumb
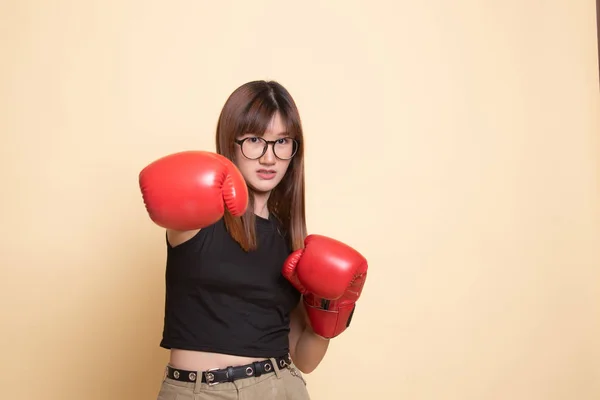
x=289, y=270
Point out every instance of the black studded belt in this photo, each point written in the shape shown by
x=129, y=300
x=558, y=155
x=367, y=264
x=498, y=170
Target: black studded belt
x=229, y=374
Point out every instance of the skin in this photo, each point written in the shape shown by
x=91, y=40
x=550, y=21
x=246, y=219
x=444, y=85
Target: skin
x=249, y=168
x=307, y=349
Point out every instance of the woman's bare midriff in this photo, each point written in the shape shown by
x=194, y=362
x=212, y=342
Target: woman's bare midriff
x=203, y=361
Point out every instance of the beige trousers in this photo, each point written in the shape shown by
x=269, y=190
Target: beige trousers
x=285, y=384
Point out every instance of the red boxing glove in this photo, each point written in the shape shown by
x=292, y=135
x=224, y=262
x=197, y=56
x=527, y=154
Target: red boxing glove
x=331, y=276
x=190, y=190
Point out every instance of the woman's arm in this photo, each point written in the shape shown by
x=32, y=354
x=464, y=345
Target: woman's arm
x=307, y=349
x=176, y=238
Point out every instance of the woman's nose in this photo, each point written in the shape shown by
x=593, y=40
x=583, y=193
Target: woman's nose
x=269, y=156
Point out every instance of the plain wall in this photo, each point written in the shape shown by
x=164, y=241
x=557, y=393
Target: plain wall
x=455, y=144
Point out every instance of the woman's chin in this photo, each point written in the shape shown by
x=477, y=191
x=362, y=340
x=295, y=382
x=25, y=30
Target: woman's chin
x=263, y=187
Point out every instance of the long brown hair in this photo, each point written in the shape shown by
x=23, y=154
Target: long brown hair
x=250, y=109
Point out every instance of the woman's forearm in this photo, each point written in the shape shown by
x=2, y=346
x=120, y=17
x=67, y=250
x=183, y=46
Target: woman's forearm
x=310, y=350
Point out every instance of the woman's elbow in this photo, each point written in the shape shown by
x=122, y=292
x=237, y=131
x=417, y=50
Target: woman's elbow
x=306, y=369
x=307, y=366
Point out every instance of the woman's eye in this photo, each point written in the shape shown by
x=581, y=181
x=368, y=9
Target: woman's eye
x=282, y=141
x=253, y=139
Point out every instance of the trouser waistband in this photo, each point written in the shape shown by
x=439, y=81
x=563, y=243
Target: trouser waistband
x=229, y=374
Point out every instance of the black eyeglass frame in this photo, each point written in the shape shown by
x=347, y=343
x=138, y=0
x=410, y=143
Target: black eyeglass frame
x=240, y=142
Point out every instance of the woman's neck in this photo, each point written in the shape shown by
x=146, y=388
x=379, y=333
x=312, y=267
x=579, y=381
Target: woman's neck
x=260, y=204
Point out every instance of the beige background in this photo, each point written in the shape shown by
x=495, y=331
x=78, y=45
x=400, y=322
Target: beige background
x=454, y=143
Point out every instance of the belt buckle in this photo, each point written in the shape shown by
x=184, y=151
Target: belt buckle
x=210, y=377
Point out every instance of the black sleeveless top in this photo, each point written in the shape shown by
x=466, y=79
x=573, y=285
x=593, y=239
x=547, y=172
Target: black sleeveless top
x=222, y=299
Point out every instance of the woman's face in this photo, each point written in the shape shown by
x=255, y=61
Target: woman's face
x=264, y=173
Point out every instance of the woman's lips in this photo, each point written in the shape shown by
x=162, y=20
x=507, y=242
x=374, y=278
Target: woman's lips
x=266, y=174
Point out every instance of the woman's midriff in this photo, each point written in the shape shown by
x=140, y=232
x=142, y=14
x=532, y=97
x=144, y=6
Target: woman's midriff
x=202, y=361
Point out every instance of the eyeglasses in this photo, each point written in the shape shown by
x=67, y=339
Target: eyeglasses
x=254, y=147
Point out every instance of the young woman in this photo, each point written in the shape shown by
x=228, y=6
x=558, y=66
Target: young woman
x=239, y=260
